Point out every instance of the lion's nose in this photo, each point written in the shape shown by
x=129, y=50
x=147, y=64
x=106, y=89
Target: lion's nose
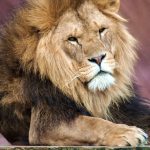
x=98, y=60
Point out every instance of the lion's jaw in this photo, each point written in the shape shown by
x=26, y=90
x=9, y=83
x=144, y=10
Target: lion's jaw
x=66, y=62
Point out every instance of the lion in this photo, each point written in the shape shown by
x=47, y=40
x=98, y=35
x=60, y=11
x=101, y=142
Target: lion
x=66, y=72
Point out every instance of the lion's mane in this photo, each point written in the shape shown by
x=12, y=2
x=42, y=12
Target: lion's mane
x=32, y=71
x=27, y=33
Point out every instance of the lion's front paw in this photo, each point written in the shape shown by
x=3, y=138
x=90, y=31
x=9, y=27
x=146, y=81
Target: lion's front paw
x=123, y=135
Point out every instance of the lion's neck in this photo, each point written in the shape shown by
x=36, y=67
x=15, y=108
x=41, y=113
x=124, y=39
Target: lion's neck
x=97, y=103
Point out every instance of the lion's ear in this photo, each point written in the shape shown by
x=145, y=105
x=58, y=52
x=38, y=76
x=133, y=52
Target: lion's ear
x=110, y=5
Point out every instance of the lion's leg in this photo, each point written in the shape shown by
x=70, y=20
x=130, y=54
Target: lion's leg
x=82, y=130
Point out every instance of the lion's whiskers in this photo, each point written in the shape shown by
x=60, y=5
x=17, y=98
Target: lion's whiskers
x=75, y=76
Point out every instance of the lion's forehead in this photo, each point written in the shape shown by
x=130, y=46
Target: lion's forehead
x=87, y=16
x=92, y=15
x=70, y=21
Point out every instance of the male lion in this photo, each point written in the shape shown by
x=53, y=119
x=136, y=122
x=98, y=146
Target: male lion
x=65, y=67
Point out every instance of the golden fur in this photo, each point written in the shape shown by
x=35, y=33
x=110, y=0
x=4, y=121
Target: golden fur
x=64, y=63
x=51, y=60
x=48, y=58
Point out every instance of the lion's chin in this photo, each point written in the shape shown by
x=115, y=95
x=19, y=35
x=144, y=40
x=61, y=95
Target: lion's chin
x=101, y=82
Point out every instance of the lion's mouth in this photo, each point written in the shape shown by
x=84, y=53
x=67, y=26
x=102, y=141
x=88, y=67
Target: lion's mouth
x=101, y=81
x=100, y=73
x=103, y=72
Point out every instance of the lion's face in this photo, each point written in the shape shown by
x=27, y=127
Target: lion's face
x=88, y=49
x=86, y=38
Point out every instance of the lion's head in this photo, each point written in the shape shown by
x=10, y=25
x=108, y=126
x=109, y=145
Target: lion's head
x=83, y=47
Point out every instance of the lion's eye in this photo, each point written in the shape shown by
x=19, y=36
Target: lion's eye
x=102, y=30
x=72, y=39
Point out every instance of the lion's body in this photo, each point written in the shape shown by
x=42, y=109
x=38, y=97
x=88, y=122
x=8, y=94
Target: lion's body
x=45, y=81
